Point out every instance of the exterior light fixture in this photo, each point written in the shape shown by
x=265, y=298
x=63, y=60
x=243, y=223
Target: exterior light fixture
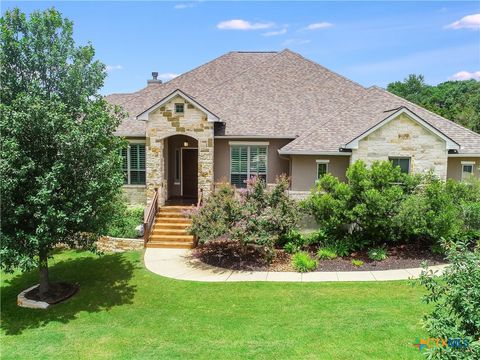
x=185, y=144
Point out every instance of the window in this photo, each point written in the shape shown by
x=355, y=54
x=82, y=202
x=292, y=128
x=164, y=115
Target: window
x=322, y=168
x=404, y=164
x=467, y=169
x=179, y=108
x=247, y=161
x=177, y=166
x=133, y=164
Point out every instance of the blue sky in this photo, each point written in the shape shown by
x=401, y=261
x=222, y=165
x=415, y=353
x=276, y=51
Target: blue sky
x=369, y=42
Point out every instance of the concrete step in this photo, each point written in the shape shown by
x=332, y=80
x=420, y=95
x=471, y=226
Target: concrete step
x=179, y=238
x=170, y=214
x=167, y=231
x=170, y=245
x=171, y=226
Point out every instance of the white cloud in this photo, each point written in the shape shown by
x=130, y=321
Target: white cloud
x=275, y=33
x=465, y=75
x=111, y=68
x=290, y=42
x=467, y=22
x=182, y=6
x=167, y=76
x=320, y=25
x=238, y=24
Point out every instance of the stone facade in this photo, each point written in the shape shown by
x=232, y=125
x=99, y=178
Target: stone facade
x=165, y=122
x=404, y=137
x=135, y=194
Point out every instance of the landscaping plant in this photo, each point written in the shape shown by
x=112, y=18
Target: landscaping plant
x=327, y=253
x=357, y=263
x=456, y=302
x=303, y=262
x=377, y=254
x=60, y=165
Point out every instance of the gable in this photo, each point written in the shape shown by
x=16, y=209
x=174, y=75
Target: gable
x=414, y=120
x=177, y=94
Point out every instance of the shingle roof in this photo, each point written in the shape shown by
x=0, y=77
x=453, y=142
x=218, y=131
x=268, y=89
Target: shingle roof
x=349, y=122
x=282, y=94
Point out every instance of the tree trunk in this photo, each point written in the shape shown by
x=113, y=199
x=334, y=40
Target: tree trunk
x=44, y=282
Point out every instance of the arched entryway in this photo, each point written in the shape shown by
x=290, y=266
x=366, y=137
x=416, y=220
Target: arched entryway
x=181, y=163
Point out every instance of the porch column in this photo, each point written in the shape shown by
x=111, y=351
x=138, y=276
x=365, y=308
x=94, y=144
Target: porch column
x=155, y=162
x=205, y=164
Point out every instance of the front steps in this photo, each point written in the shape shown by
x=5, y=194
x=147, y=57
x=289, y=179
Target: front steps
x=169, y=229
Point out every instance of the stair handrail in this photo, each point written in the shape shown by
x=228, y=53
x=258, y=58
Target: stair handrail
x=149, y=217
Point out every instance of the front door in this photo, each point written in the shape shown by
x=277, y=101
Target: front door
x=189, y=173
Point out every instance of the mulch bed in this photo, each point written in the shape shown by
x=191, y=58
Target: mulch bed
x=228, y=255
x=58, y=292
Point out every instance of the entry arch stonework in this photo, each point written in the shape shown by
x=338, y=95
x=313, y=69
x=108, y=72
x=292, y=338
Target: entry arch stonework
x=165, y=122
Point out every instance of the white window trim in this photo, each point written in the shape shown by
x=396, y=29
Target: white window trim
x=322, y=162
x=468, y=163
x=177, y=181
x=247, y=144
x=128, y=162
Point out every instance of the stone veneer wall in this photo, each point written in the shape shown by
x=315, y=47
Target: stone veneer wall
x=111, y=244
x=404, y=137
x=164, y=122
x=135, y=194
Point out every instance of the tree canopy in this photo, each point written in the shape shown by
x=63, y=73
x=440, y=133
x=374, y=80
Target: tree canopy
x=458, y=101
x=60, y=162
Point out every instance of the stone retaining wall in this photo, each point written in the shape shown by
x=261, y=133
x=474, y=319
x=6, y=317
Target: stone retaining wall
x=111, y=244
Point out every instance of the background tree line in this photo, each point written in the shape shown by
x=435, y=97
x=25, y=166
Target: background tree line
x=458, y=101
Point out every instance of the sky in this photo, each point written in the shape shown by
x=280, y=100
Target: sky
x=372, y=43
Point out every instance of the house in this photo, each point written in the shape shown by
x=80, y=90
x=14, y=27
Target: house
x=272, y=113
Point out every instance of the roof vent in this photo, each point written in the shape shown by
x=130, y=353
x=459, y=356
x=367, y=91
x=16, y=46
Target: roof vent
x=154, y=79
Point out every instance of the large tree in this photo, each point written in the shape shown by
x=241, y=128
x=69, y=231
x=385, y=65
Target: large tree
x=455, y=100
x=60, y=163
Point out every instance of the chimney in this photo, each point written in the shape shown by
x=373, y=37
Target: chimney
x=154, y=79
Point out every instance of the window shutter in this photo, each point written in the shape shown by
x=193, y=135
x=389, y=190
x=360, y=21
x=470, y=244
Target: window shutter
x=137, y=164
x=124, y=155
x=238, y=165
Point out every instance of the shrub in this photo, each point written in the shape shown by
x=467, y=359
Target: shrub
x=327, y=253
x=318, y=237
x=293, y=236
x=256, y=217
x=303, y=262
x=377, y=254
x=124, y=220
x=217, y=216
x=365, y=205
x=291, y=248
x=456, y=300
x=357, y=263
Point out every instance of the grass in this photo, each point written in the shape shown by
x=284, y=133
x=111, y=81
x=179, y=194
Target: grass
x=123, y=311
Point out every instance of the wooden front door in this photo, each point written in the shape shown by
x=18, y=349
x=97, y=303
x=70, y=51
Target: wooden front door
x=190, y=173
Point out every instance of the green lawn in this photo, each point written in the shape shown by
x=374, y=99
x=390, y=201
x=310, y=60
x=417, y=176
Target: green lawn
x=123, y=311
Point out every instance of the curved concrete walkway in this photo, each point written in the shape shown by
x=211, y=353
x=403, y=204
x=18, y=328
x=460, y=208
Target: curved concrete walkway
x=179, y=264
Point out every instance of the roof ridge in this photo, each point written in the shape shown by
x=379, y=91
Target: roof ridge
x=323, y=67
x=236, y=75
x=425, y=109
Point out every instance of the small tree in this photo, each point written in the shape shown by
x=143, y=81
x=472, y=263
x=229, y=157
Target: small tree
x=60, y=163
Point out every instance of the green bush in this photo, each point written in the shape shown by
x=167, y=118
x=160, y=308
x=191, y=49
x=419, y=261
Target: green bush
x=318, y=237
x=125, y=220
x=456, y=300
x=254, y=216
x=377, y=254
x=357, y=263
x=365, y=205
x=327, y=253
x=303, y=262
x=291, y=247
x=217, y=216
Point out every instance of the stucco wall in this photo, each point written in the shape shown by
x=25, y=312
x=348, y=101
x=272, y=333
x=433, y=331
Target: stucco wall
x=404, y=137
x=454, y=170
x=164, y=122
x=304, y=169
x=275, y=164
